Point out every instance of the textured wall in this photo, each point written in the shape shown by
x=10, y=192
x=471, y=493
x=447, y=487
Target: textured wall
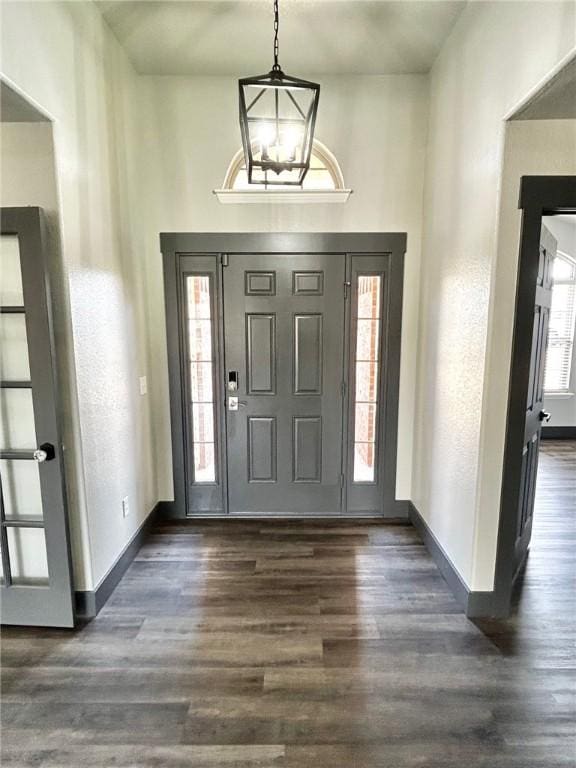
x=531, y=147
x=28, y=177
x=376, y=126
x=134, y=159
x=495, y=55
x=79, y=74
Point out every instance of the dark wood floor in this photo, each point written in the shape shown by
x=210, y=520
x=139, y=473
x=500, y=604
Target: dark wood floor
x=305, y=646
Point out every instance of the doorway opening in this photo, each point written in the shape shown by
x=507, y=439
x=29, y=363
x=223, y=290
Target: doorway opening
x=541, y=376
x=553, y=524
x=35, y=556
x=284, y=356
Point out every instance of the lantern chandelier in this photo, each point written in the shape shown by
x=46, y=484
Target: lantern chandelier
x=277, y=119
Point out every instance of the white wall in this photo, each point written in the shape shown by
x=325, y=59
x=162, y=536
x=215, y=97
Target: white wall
x=28, y=177
x=28, y=174
x=496, y=54
x=562, y=408
x=64, y=57
x=531, y=147
x=376, y=126
x=134, y=159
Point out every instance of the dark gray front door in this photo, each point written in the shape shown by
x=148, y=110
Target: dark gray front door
x=36, y=566
x=535, y=413
x=284, y=353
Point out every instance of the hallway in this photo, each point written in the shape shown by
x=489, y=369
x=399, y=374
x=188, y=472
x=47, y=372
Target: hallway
x=304, y=645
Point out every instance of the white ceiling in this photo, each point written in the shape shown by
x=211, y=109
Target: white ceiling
x=556, y=100
x=234, y=37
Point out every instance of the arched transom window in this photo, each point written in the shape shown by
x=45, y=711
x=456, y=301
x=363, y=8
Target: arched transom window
x=324, y=182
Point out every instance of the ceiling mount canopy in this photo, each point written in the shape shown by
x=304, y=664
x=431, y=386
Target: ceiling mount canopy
x=277, y=119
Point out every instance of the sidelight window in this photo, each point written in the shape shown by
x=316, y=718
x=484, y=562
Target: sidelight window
x=367, y=359
x=201, y=388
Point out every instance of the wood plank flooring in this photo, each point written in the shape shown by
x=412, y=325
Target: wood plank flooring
x=305, y=645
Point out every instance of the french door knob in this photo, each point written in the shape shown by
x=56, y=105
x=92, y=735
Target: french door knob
x=544, y=416
x=45, y=452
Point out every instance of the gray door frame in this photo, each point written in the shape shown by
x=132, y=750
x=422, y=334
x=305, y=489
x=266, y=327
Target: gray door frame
x=175, y=246
x=539, y=196
x=53, y=605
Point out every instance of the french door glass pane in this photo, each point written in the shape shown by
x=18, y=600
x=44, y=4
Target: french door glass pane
x=367, y=345
x=201, y=382
x=367, y=339
x=27, y=555
x=203, y=422
x=366, y=382
x=11, y=293
x=200, y=348
x=17, y=430
x=199, y=297
x=200, y=339
x=21, y=489
x=369, y=296
x=204, y=463
x=363, y=462
x=14, y=364
x=365, y=423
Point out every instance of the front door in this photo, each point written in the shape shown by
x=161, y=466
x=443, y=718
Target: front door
x=284, y=358
x=36, y=566
x=535, y=413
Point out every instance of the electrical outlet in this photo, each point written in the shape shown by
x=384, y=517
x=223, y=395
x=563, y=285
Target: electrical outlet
x=125, y=507
x=143, y=385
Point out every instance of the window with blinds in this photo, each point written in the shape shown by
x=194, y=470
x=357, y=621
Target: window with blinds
x=562, y=323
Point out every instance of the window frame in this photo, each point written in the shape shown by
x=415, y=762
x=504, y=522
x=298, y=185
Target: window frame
x=567, y=390
x=339, y=194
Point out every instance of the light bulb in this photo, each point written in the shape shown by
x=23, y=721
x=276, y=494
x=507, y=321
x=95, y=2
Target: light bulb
x=266, y=134
x=291, y=139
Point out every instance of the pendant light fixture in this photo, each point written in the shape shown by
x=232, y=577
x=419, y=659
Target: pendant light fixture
x=277, y=119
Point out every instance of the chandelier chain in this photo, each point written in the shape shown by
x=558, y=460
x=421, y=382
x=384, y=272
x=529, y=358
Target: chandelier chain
x=276, y=66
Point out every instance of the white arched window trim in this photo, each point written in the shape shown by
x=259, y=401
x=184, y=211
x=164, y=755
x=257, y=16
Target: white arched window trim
x=340, y=194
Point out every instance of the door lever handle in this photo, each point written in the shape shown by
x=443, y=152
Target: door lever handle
x=45, y=452
x=234, y=403
x=544, y=416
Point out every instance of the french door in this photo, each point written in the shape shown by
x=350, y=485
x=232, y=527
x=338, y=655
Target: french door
x=284, y=379
x=35, y=555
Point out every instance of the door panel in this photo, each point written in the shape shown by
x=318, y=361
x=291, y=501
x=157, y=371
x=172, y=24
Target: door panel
x=308, y=361
x=535, y=402
x=261, y=354
x=284, y=345
x=307, y=443
x=262, y=444
x=36, y=564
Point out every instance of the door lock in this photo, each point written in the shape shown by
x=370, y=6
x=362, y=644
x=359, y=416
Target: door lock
x=232, y=381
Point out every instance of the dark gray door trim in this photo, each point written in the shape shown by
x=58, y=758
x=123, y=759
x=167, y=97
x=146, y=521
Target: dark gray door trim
x=52, y=606
x=175, y=245
x=539, y=196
